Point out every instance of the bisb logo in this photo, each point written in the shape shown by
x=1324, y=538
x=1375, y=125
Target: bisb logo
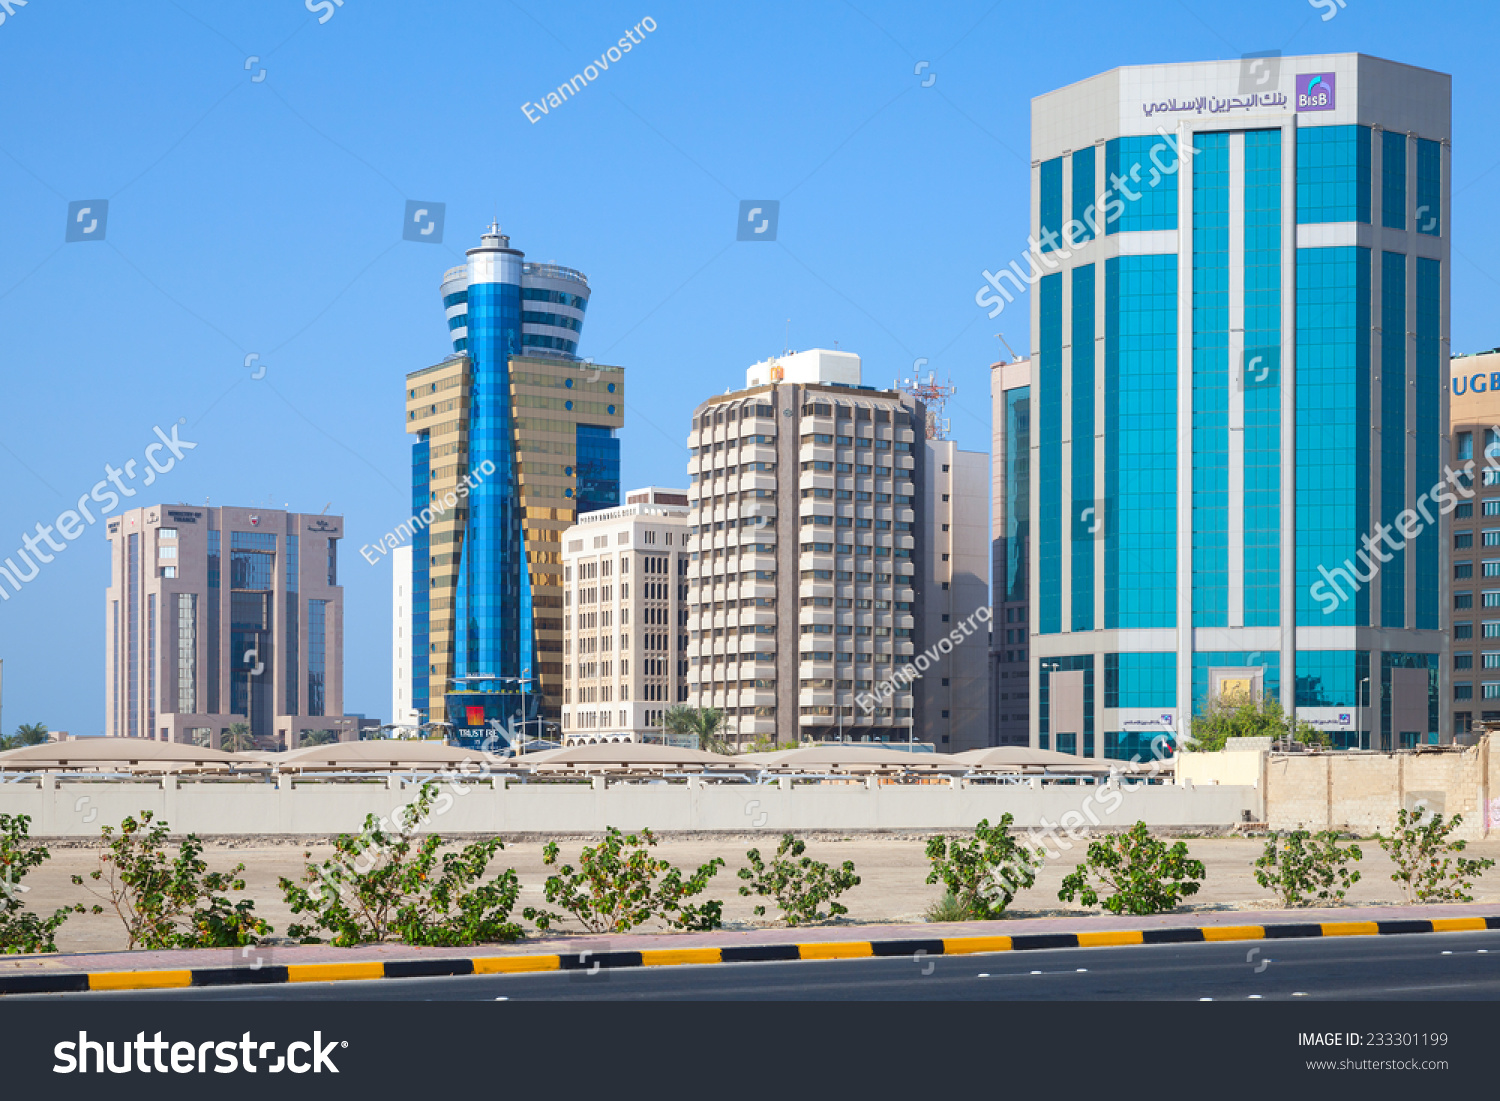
x=1315, y=91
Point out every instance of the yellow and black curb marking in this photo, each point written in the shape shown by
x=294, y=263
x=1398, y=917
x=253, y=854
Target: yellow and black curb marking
x=77, y=982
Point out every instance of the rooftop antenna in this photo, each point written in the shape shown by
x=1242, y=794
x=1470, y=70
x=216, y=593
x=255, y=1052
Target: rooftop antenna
x=1013, y=357
x=326, y=507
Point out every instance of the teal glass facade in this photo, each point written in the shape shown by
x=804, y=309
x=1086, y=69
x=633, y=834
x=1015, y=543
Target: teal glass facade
x=1429, y=216
x=1049, y=455
x=1017, y=495
x=1140, y=434
x=1392, y=179
x=1335, y=678
x=1140, y=173
x=1262, y=393
x=1333, y=433
x=1393, y=429
x=1051, y=204
x=1333, y=174
x=1210, y=508
x=1083, y=213
x=1429, y=430
x=1086, y=522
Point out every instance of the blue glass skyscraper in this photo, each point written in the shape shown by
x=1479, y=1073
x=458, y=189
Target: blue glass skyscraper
x=1239, y=297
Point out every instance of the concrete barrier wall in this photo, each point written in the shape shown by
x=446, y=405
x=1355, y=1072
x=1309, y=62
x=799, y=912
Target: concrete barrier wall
x=73, y=809
x=1362, y=792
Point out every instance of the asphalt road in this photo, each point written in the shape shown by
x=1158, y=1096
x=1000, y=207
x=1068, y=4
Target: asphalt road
x=1420, y=967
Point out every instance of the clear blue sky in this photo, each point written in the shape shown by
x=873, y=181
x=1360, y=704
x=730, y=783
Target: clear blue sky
x=264, y=217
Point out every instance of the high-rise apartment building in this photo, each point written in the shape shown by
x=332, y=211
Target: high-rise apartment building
x=1474, y=435
x=1240, y=335
x=217, y=616
x=1010, y=551
x=625, y=618
x=820, y=554
x=518, y=434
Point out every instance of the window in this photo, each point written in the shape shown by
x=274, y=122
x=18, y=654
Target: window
x=1465, y=661
x=1463, y=630
x=1464, y=446
x=1465, y=511
x=166, y=533
x=1490, y=659
x=1463, y=540
x=1491, y=508
x=1463, y=570
x=1463, y=690
x=1491, y=537
x=1463, y=600
x=1490, y=628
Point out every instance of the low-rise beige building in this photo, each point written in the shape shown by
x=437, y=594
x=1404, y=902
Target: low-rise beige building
x=624, y=618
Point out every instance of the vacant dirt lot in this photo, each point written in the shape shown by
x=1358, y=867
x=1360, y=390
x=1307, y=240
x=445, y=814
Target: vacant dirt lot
x=893, y=873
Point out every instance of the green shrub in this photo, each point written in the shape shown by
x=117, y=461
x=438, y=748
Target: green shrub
x=1301, y=873
x=170, y=902
x=1426, y=867
x=22, y=931
x=799, y=884
x=1145, y=876
x=983, y=872
x=947, y=908
x=382, y=886
x=620, y=885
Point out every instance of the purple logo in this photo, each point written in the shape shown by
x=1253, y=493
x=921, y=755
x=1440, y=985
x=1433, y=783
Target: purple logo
x=1315, y=91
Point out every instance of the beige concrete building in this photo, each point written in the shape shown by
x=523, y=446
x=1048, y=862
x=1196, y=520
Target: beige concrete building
x=823, y=559
x=1474, y=434
x=624, y=616
x=216, y=616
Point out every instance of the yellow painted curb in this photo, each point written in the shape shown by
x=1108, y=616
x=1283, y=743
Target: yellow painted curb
x=963, y=946
x=846, y=950
x=1350, y=929
x=511, y=965
x=1234, y=932
x=333, y=972
x=139, y=980
x=1459, y=925
x=1110, y=940
x=672, y=957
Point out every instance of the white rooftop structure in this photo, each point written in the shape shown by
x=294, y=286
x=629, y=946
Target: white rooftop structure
x=816, y=365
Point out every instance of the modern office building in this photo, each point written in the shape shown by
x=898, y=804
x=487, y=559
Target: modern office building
x=1240, y=353
x=1474, y=432
x=217, y=616
x=625, y=618
x=819, y=550
x=1010, y=551
x=514, y=436
x=402, y=712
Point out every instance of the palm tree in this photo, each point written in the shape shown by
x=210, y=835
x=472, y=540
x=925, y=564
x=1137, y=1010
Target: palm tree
x=319, y=737
x=695, y=722
x=26, y=734
x=237, y=738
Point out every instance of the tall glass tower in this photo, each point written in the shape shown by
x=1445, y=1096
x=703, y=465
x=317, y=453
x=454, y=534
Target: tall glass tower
x=510, y=445
x=1239, y=307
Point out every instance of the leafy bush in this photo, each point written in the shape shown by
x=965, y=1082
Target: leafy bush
x=167, y=902
x=1145, y=875
x=401, y=891
x=799, y=884
x=20, y=929
x=1295, y=869
x=616, y=888
x=1426, y=868
x=983, y=873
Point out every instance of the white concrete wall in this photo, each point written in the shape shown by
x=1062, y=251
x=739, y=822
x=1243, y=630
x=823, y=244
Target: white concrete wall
x=80, y=809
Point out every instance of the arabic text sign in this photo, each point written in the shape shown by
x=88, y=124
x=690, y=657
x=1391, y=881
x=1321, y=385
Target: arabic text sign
x=1209, y=105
